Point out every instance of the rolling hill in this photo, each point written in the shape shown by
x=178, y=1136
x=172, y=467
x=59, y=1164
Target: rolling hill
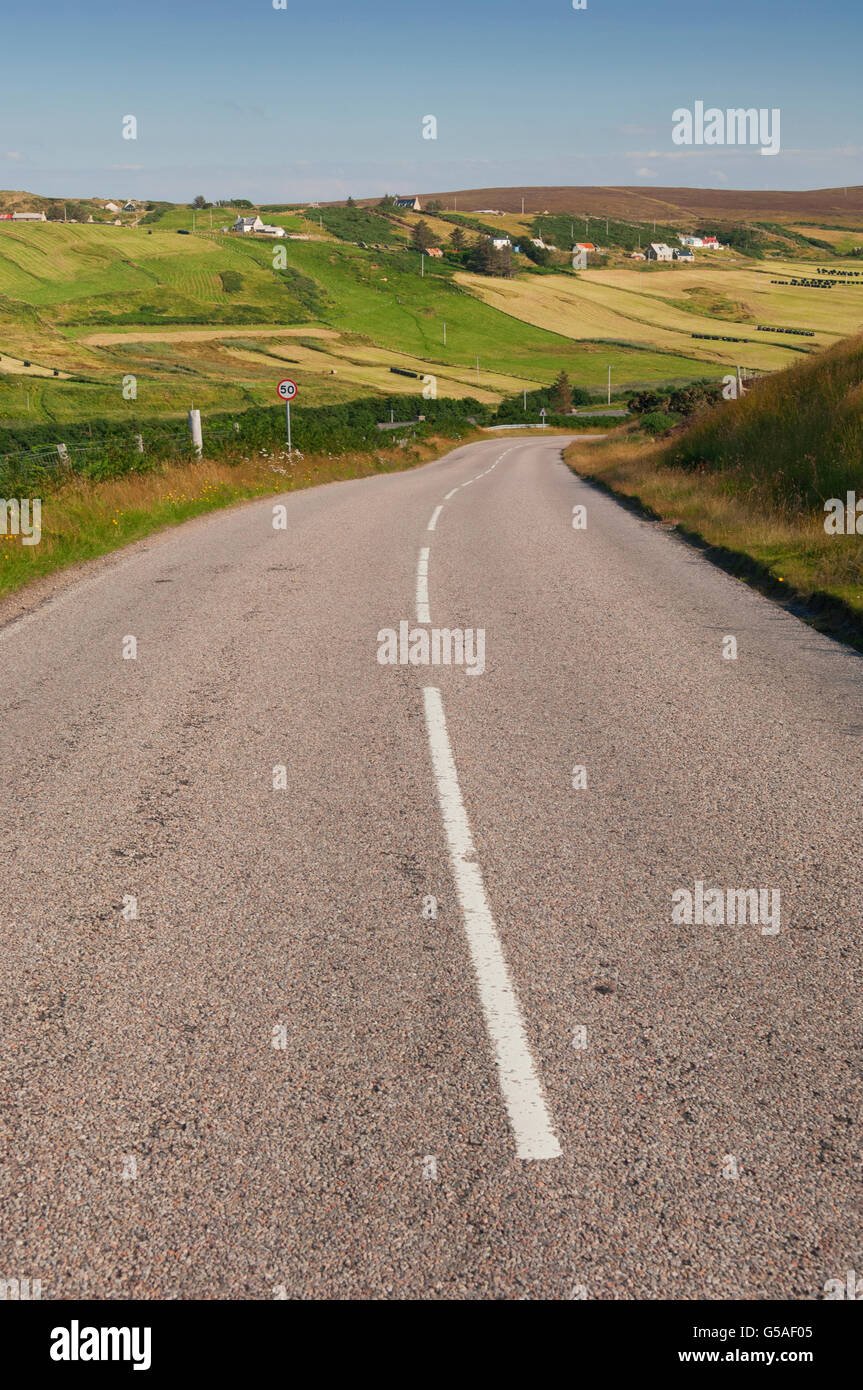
x=213, y=319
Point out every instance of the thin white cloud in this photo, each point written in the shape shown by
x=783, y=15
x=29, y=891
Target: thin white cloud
x=645, y=173
x=13, y=154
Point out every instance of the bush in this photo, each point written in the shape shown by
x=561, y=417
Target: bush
x=657, y=422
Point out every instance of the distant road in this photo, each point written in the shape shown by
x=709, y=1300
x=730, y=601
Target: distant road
x=241, y=1055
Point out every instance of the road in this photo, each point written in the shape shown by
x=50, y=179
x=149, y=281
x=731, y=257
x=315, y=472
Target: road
x=276, y=1072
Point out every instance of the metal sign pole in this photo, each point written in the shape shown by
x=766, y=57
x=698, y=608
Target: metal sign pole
x=288, y=414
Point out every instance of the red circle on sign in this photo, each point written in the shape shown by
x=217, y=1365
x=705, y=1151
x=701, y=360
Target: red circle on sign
x=289, y=391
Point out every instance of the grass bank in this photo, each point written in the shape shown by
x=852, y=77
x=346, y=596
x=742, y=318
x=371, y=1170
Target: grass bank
x=84, y=518
x=748, y=481
x=778, y=549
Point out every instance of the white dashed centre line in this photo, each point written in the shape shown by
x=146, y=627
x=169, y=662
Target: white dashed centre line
x=423, y=615
x=519, y=1080
x=434, y=516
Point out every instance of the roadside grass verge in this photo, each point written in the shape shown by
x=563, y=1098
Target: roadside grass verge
x=84, y=518
x=743, y=524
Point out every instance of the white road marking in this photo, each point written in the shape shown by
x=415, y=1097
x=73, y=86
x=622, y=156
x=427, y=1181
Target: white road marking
x=451, y=494
x=434, y=516
x=423, y=615
x=519, y=1080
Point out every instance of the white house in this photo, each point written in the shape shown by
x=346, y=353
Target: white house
x=683, y=254
x=29, y=217
x=658, y=251
x=130, y=206
x=690, y=241
x=500, y=242
x=245, y=225
x=412, y=204
x=112, y=207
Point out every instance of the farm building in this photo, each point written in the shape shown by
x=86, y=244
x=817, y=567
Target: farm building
x=248, y=224
x=130, y=206
x=412, y=204
x=658, y=251
x=436, y=252
x=690, y=241
x=112, y=207
x=29, y=217
x=683, y=254
x=500, y=242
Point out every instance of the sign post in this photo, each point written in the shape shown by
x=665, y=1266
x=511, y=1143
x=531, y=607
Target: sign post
x=287, y=390
x=543, y=413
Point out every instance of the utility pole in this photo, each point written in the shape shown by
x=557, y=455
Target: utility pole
x=444, y=333
x=525, y=400
x=522, y=204
x=609, y=386
x=477, y=371
x=422, y=265
x=194, y=220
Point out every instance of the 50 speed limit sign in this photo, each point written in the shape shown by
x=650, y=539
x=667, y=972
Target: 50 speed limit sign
x=287, y=389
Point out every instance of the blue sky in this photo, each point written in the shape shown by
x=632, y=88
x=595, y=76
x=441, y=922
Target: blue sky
x=234, y=98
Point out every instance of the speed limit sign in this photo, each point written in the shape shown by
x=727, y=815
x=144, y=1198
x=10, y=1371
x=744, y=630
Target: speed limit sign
x=287, y=390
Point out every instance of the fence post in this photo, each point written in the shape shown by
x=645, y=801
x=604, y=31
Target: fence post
x=195, y=431
x=139, y=443
x=63, y=453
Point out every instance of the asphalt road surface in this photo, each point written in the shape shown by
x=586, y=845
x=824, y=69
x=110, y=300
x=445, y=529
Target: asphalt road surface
x=241, y=1056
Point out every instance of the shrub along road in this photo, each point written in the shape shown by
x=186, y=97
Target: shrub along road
x=271, y=1071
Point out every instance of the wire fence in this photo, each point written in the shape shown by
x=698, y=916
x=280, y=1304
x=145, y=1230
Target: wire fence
x=113, y=455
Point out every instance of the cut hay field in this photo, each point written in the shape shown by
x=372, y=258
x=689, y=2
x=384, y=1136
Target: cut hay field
x=644, y=306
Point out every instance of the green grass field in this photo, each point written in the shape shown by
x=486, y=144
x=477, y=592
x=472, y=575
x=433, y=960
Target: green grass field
x=100, y=303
